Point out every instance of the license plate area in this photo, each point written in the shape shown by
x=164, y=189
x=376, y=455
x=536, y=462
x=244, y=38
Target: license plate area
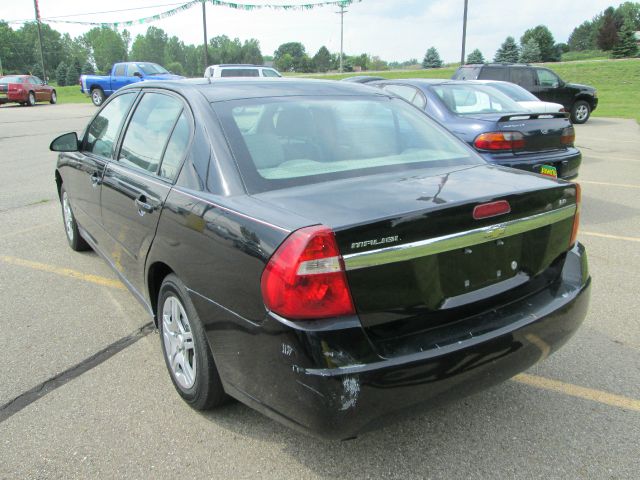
x=549, y=171
x=479, y=266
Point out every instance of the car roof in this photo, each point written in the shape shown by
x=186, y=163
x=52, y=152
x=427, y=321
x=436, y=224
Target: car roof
x=239, y=65
x=421, y=82
x=223, y=89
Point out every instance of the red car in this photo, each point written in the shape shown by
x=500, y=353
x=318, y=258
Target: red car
x=26, y=90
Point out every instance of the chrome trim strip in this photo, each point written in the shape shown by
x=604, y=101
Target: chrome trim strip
x=445, y=243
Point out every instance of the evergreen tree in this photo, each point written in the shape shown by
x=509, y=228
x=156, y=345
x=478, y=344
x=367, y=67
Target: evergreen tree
x=322, y=60
x=530, y=52
x=87, y=69
x=544, y=39
x=626, y=45
x=608, y=32
x=508, y=51
x=73, y=72
x=475, y=57
x=61, y=74
x=431, y=59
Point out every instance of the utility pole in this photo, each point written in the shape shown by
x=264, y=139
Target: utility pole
x=464, y=31
x=44, y=70
x=341, y=13
x=1, y=72
x=205, y=53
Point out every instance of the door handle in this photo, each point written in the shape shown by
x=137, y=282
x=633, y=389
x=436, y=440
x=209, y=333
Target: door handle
x=95, y=179
x=143, y=206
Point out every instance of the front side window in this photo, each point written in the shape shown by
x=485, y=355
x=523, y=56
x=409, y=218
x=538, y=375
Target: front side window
x=474, y=99
x=149, y=131
x=267, y=72
x=151, y=69
x=35, y=81
x=546, y=78
x=295, y=141
x=103, y=131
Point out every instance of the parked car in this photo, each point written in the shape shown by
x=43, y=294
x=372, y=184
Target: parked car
x=362, y=79
x=240, y=70
x=579, y=100
x=25, y=90
x=501, y=130
x=323, y=279
x=99, y=87
x=525, y=98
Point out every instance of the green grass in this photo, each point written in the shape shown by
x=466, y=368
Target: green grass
x=585, y=55
x=70, y=94
x=617, y=82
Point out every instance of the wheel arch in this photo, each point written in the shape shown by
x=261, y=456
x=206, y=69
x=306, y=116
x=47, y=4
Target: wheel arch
x=58, y=182
x=156, y=273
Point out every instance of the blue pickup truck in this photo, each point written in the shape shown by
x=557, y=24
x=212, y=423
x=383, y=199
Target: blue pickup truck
x=100, y=87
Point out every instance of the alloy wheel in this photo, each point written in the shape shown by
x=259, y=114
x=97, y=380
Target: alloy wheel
x=581, y=112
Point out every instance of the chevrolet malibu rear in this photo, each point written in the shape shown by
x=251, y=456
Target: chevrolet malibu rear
x=331, y=256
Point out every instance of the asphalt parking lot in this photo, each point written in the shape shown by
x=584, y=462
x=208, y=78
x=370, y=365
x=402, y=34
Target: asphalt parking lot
x=114, y=413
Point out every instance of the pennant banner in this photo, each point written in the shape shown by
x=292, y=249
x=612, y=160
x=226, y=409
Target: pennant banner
x=218, y=3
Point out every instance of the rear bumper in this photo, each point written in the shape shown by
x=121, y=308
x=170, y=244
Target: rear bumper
x=11, y=97
x=567, y=162
x=327, y=380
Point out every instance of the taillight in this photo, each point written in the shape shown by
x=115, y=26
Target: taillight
x=576, y=219
x=487, y=210
x=305, y=278
x=14, y=87
x=499, y=141
x=568, y=136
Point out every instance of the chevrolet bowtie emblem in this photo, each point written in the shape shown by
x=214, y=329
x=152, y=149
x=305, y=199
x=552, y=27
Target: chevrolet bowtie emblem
x=495, y=232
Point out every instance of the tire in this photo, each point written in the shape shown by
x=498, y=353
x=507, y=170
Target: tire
x=580, y=112
x=76, y=242
x=54, y=98
x=97, y=96
x=31, y=99
x=185, y=348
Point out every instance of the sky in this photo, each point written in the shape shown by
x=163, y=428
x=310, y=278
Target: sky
x=392, y=30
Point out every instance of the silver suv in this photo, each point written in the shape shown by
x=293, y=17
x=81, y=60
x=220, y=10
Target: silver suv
x=235, y=70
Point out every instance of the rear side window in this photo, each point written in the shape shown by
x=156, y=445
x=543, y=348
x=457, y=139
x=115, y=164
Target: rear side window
x=282, y=142
x=410, y=94
x=466, y=73
x=119, y=71
x=149, y=130
x=240, y=72
x=493, y=73
x=176, y=148
x=523, y=77
x=7, y=80
x=103, y=130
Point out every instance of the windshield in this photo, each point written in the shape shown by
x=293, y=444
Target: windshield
x=515, y=92
x=6, y=80
x=473, y=99
x=151, y=69
x=295, y=141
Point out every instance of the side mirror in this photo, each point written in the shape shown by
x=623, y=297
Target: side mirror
x=65, y=143
x=137, y=74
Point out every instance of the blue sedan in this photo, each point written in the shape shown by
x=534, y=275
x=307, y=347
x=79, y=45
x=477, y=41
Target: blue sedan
x=498, y=128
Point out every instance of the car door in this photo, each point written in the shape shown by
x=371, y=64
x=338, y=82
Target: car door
x=548, y=84
x=37, y=86
x=137, y=183
x=84, y=170
x=524, y=76
x=119, y=77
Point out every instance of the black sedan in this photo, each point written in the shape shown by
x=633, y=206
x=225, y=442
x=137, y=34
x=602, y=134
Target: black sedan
x=501, y=130
x=322, y=252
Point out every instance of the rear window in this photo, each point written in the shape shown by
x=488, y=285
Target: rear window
x=474, y=99
x=7, y=80
x=466, y=73
x=282, y=142
x=239, y=72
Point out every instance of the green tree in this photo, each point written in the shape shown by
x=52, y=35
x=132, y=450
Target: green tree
x=530, y=52
x=174, y=52
x=106, y=47
x=73, y=72
x=546, y=43
x=629, y=11
x=508, y=51
x=376, y=63
x=175, y=67
x=431, y=59
x=475, y=57
x=29, y=46
x=251, y=52
x=361, y=61
x=87, y=69
x=298, y=57
x=582, y=37
x=626, y=45
x=608, y=31
x=61, y=74
x=11, y=50
x=150, y=47
x=322, y=60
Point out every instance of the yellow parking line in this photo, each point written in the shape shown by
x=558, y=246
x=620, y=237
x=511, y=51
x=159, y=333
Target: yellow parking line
x=65, y=272
x=608, y=184
x=599, y=396
x=614, y=237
